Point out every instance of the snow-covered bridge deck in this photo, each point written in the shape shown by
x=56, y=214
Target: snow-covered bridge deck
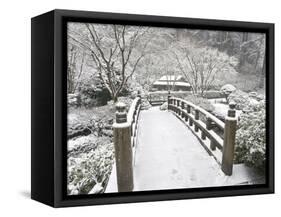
x=169, y=156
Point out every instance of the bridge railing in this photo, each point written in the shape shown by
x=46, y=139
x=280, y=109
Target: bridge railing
x=124, y=139
x=155, y=98
x=132, y=117
x=203, y=124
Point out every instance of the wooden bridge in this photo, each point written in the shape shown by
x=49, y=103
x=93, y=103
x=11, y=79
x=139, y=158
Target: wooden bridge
x=183, y=147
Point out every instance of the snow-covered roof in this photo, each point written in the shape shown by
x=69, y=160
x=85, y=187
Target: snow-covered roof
x=170, y=78
x=176, y=83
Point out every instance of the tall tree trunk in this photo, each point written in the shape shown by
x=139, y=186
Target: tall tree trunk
x=245, y=36
x=115, y=98
x=242, y=54
x=262, y=74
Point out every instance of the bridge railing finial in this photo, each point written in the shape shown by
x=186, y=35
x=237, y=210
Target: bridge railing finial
x=121, y=113
x=231, y=111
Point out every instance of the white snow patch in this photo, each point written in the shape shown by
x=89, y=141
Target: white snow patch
x=83, y=140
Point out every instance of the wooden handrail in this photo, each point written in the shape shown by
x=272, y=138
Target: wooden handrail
x=217, y=121
x=132, y=118
x=182, y=109
x=134, y=106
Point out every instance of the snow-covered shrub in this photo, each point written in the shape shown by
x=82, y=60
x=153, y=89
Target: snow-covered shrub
x=94, y=94
x=253, y=94
x=164, y=94
x=256, y=96
x=127, y=100
x=243, y=99
x=164, y=106
x=240, y=98
x=72, y=100
x=85, y=121
x=250, y=136
x=87, y=170
x=212, y=94
x=227, y=89
x=145, y=103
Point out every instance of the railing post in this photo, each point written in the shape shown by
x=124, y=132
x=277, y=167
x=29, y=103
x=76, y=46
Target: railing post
x=209, y=127
x=123, y=149
x=179, y=107
x=203, y=135
x=182, y=107
x=139, y=95
x=178, y=104
x=229, y=140
x=188, y=111
x=169, y=100
x=196, y=118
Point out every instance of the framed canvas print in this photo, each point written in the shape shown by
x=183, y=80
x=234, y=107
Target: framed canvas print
x=130, y=108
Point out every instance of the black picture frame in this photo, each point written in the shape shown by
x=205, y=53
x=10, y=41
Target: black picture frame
x=49, y=107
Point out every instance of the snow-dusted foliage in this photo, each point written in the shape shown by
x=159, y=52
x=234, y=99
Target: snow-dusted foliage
x=89, y=169
x=227, y=89
x=91, y=152
x=250, y=136
x=243, y=99
x=114, y=50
